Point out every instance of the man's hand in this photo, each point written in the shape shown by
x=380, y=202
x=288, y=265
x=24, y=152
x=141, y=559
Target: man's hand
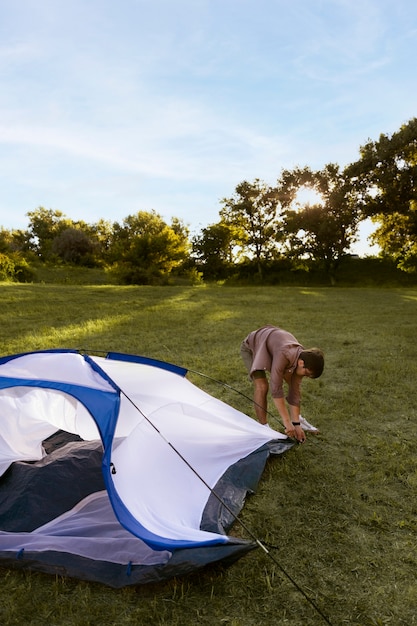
x=299, y=434
x=295, y=432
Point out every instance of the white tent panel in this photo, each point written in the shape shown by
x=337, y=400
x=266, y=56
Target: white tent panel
x=70, y=368
x=155, y=483
x=31, y=414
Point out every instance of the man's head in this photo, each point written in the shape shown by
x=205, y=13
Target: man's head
x=312, y=360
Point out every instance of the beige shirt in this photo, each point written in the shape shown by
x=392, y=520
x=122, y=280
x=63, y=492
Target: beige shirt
x=277, y=351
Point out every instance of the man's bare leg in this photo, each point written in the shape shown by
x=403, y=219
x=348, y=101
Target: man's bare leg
x=260, y=398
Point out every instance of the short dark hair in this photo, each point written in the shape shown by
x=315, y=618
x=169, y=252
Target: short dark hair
x=313, y=360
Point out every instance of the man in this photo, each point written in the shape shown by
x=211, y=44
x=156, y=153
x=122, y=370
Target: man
x=274, y=350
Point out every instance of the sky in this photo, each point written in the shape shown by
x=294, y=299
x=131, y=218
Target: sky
x=108, y=108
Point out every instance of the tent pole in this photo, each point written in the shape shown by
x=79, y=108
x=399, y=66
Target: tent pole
x=229, y=510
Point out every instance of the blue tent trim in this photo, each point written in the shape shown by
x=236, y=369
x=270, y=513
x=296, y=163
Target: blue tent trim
x=11, y=357
x=156, y=542
x=132, y=358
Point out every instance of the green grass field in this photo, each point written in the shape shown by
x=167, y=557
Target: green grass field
x=341, y=509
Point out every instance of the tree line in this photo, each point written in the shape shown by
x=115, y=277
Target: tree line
x=261, y=228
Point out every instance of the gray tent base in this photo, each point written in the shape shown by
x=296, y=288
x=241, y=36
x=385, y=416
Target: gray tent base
x=32, y=494
x=182, y=562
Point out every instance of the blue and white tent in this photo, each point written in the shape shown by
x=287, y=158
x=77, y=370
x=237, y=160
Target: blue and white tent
x=118, y=469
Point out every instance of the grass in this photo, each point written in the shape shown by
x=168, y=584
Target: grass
x=341, y=510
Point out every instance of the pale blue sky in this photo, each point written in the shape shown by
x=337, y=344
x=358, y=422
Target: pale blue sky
x=108, y=108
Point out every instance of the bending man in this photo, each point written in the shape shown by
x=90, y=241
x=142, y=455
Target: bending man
x=274, y=350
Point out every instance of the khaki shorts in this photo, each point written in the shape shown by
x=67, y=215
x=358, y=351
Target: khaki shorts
x=247, y=356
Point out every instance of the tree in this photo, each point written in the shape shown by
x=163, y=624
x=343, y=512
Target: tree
x=385, y=177
x=386, y=173
x=325, y=230
x=213, y=249
x=73, y=245
x=252, y=212
x=44, y=226
x=102, y=234
x=13, y=264
x=13, y=241
x=396, y=235
x=146, y=249
x=290, y=183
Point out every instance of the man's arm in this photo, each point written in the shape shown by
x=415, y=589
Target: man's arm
x=288, y=417
x=299, y=434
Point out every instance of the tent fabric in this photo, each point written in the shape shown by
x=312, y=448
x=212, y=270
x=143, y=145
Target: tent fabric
x=119, y=469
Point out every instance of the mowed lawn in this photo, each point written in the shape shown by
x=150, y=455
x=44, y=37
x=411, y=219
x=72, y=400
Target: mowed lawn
x=339, y=511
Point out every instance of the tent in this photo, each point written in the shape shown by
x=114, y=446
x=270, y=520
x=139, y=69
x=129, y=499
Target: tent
x=118, y=469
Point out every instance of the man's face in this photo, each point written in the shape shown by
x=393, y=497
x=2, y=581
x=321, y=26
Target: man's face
x=302, y=370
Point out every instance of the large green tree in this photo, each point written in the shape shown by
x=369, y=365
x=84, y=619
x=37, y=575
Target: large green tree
x=385, y=177
x=14, y=241
x=146, y=249
x=396, y=235
x=325, y=230
x=73, y=245
x=54, y=237
x=213, y=250
x=44, y=226
x=101, y=234
x=386, y=173
x=253, y=212
x=14, y=250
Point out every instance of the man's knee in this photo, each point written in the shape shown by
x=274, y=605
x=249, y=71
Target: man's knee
x=260, y=381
